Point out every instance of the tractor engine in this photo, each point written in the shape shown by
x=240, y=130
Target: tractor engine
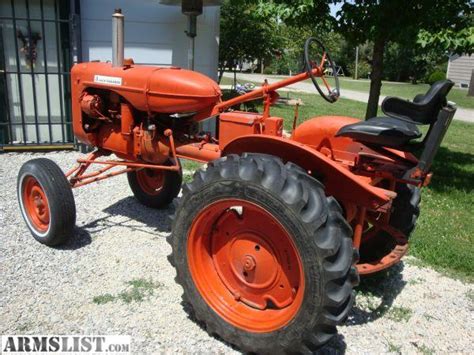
x=130, y=110
x=126, y=109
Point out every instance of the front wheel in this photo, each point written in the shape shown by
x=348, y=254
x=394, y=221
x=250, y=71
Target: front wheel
x=264, y=257
x=46, y=201
x=154, y=188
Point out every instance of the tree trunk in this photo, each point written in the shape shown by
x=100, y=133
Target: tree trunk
x=221, y=73
x=375, y=78
x=235, y=77
x=471, y=85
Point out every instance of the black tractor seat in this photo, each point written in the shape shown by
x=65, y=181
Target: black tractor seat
x=386, y=131
x=398, y=128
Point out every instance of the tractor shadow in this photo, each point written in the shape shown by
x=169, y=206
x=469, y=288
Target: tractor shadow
x=336, y=345
x=451, y=171
x=376, y=294
x=130, y=214
x=81, y=238
x=127, y=213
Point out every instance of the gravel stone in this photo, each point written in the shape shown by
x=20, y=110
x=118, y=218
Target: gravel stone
x=51, y=290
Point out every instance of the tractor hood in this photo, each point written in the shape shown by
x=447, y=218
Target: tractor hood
x=150, y=88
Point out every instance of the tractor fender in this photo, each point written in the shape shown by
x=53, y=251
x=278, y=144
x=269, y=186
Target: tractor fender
x=338, y=181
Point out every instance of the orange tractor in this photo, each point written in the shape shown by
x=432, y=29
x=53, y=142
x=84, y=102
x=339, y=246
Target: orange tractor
x=269, y=239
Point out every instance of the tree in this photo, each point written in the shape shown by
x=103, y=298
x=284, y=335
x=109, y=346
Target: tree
x=386, y=21
x=293, y=39
x=245, y=34
x=379, y=22
x=450, y=40
x=455, y=42
x=412, y=61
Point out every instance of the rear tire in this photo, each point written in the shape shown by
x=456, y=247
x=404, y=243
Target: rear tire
x=310, y=243
x=406, y=208
x=405, y=212
x=155, y=188
x=46, y=201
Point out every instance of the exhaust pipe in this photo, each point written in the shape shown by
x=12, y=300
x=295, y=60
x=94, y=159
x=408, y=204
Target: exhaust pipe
x=117, y=38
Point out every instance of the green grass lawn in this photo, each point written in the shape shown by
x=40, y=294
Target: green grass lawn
x=315, y=105
x=403, y=90
x=226, y=81
x=444, y=237
x=407, y=90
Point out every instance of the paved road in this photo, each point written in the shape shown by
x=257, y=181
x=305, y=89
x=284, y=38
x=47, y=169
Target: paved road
x=462, y=114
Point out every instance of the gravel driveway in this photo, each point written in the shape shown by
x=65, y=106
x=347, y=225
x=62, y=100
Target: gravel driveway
x=114, y=278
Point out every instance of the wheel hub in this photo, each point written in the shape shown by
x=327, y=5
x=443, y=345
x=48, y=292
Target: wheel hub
x=151, y=181
x=245, y=262
x=252, y=261
x=249, y=263
x=250, y=266
x=36, y=204
x=37, y=196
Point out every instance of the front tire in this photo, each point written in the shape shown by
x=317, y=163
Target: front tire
x=264, y=257
x=46, y=201
x=154, y=188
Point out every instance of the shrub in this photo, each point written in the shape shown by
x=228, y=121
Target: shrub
x=436, y=76
x=363, y=69
x=268, y=70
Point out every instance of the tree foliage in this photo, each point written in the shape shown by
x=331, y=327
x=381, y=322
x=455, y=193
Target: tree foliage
x=460, y=42
x=412, y=62
x=405, y=35
x=257, y=29
x=312, y=13
x=291, y=58
x=397, y=21
x=245, y=34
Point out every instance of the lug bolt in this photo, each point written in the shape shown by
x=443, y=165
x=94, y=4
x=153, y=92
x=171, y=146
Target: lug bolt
x=249, y=263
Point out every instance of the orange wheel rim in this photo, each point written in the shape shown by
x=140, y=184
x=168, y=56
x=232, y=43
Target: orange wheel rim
x=150, y=180
x=35, y=204
x=245, y=265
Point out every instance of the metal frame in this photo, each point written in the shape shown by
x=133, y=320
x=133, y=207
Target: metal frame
x=65, y=14
x=77, y=176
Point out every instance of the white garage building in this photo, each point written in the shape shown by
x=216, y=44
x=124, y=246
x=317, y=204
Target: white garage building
x=460, y=69
x=154, y=33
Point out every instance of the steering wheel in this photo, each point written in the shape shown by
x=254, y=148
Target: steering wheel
x=322, y=64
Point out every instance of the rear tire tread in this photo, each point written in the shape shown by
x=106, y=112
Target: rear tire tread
x=319, y=214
